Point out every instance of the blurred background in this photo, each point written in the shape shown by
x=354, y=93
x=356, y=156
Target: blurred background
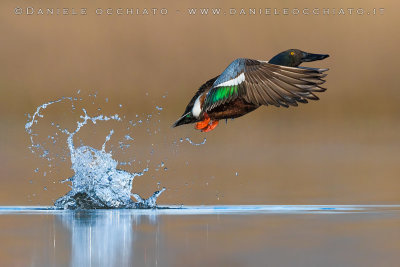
x=343, y=149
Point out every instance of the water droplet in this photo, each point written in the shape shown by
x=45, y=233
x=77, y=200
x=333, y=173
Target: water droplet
x=128, y=137
x=236, y=173
x=193, y=143
x=37, y=170
x=45, y=188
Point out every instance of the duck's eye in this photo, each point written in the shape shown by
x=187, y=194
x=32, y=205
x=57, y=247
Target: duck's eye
x=292, y=53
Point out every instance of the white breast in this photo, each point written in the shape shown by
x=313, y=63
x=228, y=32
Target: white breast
x=196, y=110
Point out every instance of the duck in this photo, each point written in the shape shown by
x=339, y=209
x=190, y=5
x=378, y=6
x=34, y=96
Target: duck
x=246, y=84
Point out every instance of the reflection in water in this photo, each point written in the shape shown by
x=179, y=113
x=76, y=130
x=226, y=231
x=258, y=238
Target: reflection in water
x=103, y=238
x=325, y=235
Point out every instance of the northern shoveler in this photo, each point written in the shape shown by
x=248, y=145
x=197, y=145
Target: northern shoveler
x=247, y=84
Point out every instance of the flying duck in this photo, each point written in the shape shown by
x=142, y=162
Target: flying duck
x=247, y=84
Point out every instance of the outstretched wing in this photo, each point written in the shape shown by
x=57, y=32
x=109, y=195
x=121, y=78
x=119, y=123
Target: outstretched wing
x=261, y=83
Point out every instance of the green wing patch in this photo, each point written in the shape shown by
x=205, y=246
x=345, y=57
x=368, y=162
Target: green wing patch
x=221, y=94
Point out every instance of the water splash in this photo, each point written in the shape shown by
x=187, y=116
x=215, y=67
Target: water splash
x=97, y=182
x=147, y=203
x=34, y=120
x=193, y=143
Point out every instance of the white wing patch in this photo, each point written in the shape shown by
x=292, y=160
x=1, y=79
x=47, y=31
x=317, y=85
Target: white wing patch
x=196, y=110
x=238, y=80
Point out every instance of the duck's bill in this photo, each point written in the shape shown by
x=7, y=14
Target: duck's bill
x=308, y=57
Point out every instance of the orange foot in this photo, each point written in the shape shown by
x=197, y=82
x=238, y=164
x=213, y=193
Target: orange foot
x=210, y=127
x=203, y=124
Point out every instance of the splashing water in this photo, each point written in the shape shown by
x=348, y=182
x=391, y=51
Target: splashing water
x=193, y=143
x=97, y=182
x=150, y=202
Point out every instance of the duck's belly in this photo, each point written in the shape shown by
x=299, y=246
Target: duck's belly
x=231, y=110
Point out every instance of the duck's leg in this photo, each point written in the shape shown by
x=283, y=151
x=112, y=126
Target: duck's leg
x=210, y=127
x=203, y=124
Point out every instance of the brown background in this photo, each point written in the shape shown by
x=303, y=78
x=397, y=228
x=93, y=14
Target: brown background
x=343, y=149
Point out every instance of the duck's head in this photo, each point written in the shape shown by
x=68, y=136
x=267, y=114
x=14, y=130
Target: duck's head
x=294, y=57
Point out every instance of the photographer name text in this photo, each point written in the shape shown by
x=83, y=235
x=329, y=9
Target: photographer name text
x=82, y=11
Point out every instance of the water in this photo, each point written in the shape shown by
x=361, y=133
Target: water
x=273, y=235
x=97, y=181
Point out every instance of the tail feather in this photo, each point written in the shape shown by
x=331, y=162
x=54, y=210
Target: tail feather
x=185, y=119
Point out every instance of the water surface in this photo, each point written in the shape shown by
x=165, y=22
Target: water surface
x=271, y=235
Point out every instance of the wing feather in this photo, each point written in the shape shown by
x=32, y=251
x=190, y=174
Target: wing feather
x=269, y=84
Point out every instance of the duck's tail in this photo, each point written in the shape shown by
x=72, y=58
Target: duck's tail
x=185, y=119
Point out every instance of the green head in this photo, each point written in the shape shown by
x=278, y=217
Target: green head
x=294, y=57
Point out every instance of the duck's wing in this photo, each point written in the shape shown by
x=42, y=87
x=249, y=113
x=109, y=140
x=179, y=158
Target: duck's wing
x=207, y=85
x=261, y=83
